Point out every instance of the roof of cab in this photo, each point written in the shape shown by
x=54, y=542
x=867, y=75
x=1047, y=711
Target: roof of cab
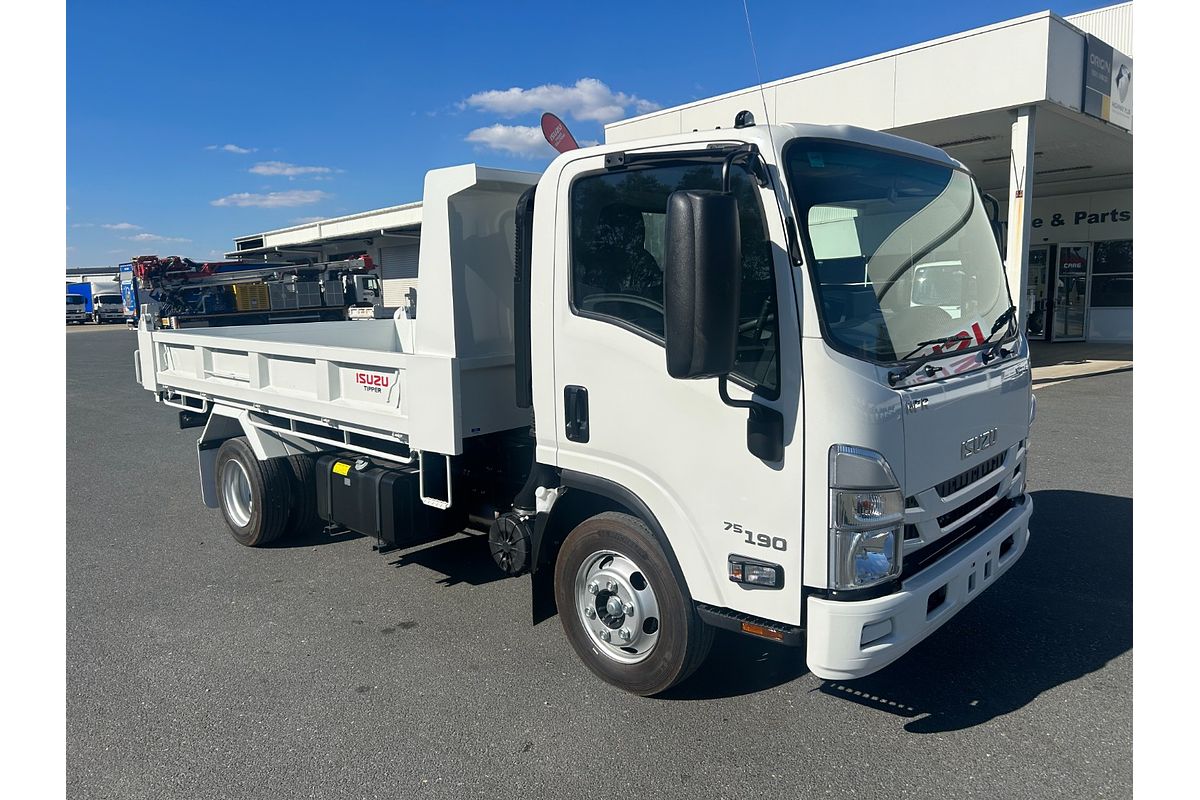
x=768, y=137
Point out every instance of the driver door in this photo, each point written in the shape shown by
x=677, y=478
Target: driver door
x=673, y=443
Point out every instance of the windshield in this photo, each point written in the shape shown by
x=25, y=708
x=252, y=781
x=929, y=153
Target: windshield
x=109, y=299
x=74, y=300
x=901, y=251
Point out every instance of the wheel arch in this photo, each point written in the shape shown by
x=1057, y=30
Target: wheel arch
x=587, y=496
x=226, y=423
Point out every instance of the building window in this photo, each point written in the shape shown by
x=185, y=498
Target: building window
x=617, y=224
x=1112, y=274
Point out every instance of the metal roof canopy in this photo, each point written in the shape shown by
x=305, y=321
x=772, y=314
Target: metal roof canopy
x=402, y=222
x=958, y=93
x=1074, y=153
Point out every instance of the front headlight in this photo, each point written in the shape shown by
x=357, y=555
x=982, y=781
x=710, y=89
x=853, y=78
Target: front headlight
x=867, y=519
x=865, y=558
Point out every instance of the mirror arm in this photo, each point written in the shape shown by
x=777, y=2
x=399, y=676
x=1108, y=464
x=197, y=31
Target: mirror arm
x=757, y=166
x=723, y=389
x=764, y=426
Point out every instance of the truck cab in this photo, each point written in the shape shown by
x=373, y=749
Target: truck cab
x=107, y=307
x=766, y=378
x=823, y=454
x=76, y=309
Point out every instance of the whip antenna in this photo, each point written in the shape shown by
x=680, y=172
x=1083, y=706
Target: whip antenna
x=758, y=72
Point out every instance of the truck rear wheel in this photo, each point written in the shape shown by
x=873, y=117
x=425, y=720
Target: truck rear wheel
x=254, y=495
x=623, y=611
x=302, y=514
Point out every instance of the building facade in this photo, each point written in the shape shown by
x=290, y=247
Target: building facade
x=1039, y=108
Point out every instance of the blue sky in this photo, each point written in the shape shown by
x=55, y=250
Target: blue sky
x=189, y=123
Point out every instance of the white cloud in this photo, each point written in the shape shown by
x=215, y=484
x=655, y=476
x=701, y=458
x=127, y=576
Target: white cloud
x=287, y=170
x=589, y=99
x=288, y=199
x=520, y=140
x=83, y=225
x=154, y=237
x=232, y=148
x=121, y=226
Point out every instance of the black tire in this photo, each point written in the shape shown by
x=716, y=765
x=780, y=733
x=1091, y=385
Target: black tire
x=302, y=517
x=270, y=494
x=684, y=640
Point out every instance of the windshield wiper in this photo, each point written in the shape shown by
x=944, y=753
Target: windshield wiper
x=1002, y=320
x=1005, y=322
x=897, y=375
x=958, y=337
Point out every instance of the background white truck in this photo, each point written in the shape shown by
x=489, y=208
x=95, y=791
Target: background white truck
x=687, y=383
x=76, y=308
x=107, y=306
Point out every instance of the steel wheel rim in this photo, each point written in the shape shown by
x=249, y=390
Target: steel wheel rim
x=613, y=597
x=235, y=489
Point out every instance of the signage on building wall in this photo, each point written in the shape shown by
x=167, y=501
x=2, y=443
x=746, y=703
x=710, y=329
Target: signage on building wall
x=1107, y=83
x=1082, y=217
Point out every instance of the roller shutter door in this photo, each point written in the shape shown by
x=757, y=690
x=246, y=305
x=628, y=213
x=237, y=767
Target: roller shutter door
x=397, y=272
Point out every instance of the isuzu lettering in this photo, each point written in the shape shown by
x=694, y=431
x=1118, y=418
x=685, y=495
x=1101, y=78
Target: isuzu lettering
x=761, y=378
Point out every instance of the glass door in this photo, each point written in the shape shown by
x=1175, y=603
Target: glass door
x=1039, y=268
x=1071, y=293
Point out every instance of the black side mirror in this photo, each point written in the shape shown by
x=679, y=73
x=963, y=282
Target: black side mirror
x=702, y=283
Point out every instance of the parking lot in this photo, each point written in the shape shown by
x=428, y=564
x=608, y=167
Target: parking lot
x=200, y=668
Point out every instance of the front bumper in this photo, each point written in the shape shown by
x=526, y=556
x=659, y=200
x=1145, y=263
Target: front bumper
x=894, y=624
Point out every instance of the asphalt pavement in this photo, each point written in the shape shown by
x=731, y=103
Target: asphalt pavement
x=198, y=668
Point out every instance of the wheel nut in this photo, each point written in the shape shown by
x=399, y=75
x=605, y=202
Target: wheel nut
x=605, y=636
x=611, y=586
x=629, y=609
x=625, y=634
x=589, y=612
x=593, y=587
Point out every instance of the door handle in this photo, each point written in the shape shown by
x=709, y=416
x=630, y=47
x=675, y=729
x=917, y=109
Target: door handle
x=575, y=403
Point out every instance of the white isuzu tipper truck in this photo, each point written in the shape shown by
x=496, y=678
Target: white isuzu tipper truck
x=762, y=378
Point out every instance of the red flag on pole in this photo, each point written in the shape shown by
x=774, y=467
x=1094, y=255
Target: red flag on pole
x=556, y=133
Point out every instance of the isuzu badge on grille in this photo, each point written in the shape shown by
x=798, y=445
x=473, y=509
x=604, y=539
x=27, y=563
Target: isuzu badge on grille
x=977, y=444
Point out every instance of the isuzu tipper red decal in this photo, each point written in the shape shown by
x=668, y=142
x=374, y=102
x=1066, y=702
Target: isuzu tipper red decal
x=372, y=379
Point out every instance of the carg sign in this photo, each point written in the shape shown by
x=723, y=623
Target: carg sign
x=1107, y=83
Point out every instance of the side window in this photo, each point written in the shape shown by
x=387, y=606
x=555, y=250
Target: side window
x=617, y=225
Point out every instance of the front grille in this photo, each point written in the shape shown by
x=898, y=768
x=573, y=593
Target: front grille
x=975, y=473
x=951, y=517
x=920, y=559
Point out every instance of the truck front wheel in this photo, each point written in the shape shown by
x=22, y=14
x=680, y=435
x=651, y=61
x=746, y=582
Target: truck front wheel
x=254, y=495
x=623, y=611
